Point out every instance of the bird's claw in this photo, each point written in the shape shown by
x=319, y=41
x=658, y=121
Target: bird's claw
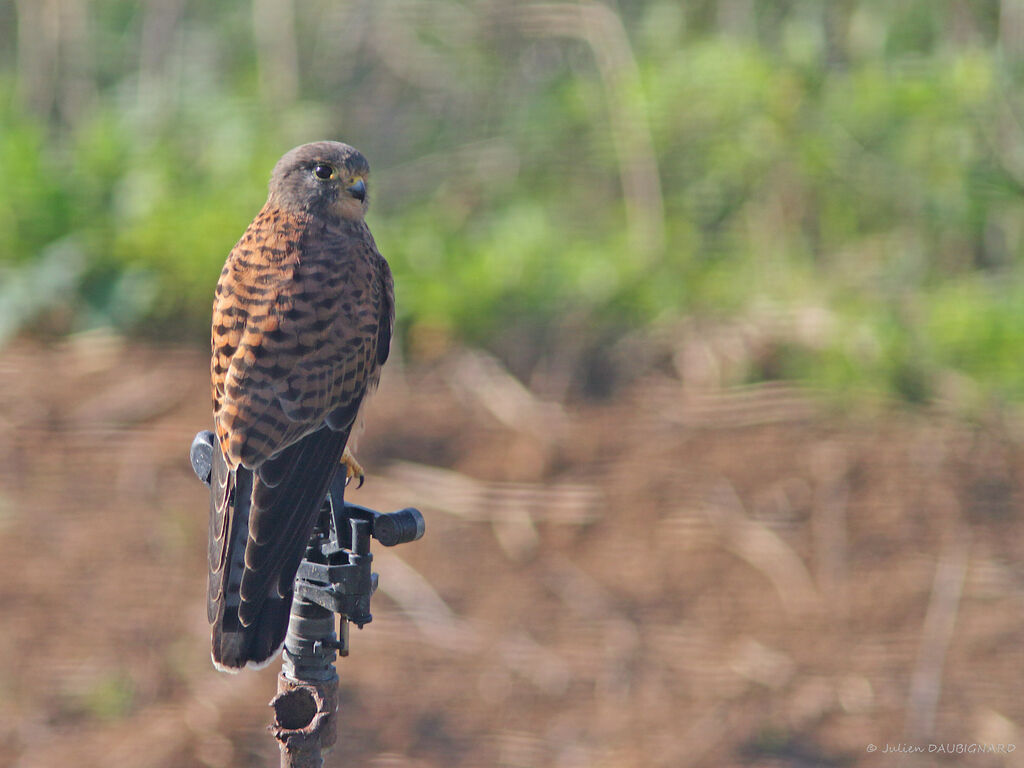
x=353, y=469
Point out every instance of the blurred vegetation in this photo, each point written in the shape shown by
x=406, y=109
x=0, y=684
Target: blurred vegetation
x=548, y=177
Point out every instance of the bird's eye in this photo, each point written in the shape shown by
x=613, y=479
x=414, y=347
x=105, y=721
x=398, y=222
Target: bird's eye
x=323, y=171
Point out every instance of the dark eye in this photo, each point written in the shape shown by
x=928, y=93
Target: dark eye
x=323, y=171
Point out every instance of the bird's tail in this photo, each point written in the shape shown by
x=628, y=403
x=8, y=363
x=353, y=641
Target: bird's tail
x=260, y=523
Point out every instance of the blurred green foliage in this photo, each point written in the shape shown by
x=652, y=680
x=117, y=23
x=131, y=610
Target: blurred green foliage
x=860, y=159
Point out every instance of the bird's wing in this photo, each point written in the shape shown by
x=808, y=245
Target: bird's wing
x=251, y=594
x=297, y=337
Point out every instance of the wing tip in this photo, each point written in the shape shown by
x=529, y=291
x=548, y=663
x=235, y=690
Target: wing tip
x=238, y=647
x=253, y=664
x=248, y=664
x=223, y=667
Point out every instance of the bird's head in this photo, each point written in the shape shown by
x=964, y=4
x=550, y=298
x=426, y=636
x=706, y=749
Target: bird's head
x=325, y=177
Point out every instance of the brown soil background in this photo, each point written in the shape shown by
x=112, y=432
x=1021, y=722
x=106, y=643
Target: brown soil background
x=743, y=577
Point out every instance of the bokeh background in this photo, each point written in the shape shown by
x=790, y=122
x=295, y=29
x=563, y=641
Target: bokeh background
x=708, y=375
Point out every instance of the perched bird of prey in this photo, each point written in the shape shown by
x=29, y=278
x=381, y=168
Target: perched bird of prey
x=302, y=322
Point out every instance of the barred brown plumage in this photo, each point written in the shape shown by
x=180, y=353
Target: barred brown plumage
x=302, y=320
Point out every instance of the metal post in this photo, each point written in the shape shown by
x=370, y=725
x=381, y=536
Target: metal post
x=306, y=705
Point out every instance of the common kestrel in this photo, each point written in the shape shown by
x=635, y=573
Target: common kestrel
x=302, y=323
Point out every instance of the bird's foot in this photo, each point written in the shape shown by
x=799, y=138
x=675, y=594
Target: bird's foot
x=353, y=469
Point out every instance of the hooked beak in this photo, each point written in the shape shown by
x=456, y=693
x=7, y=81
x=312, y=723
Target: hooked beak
x=358, y=190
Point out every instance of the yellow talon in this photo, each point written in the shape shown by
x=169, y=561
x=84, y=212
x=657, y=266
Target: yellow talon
x=353, y=468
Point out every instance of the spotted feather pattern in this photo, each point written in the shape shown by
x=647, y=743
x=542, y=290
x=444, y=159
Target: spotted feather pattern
x=302, y=322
